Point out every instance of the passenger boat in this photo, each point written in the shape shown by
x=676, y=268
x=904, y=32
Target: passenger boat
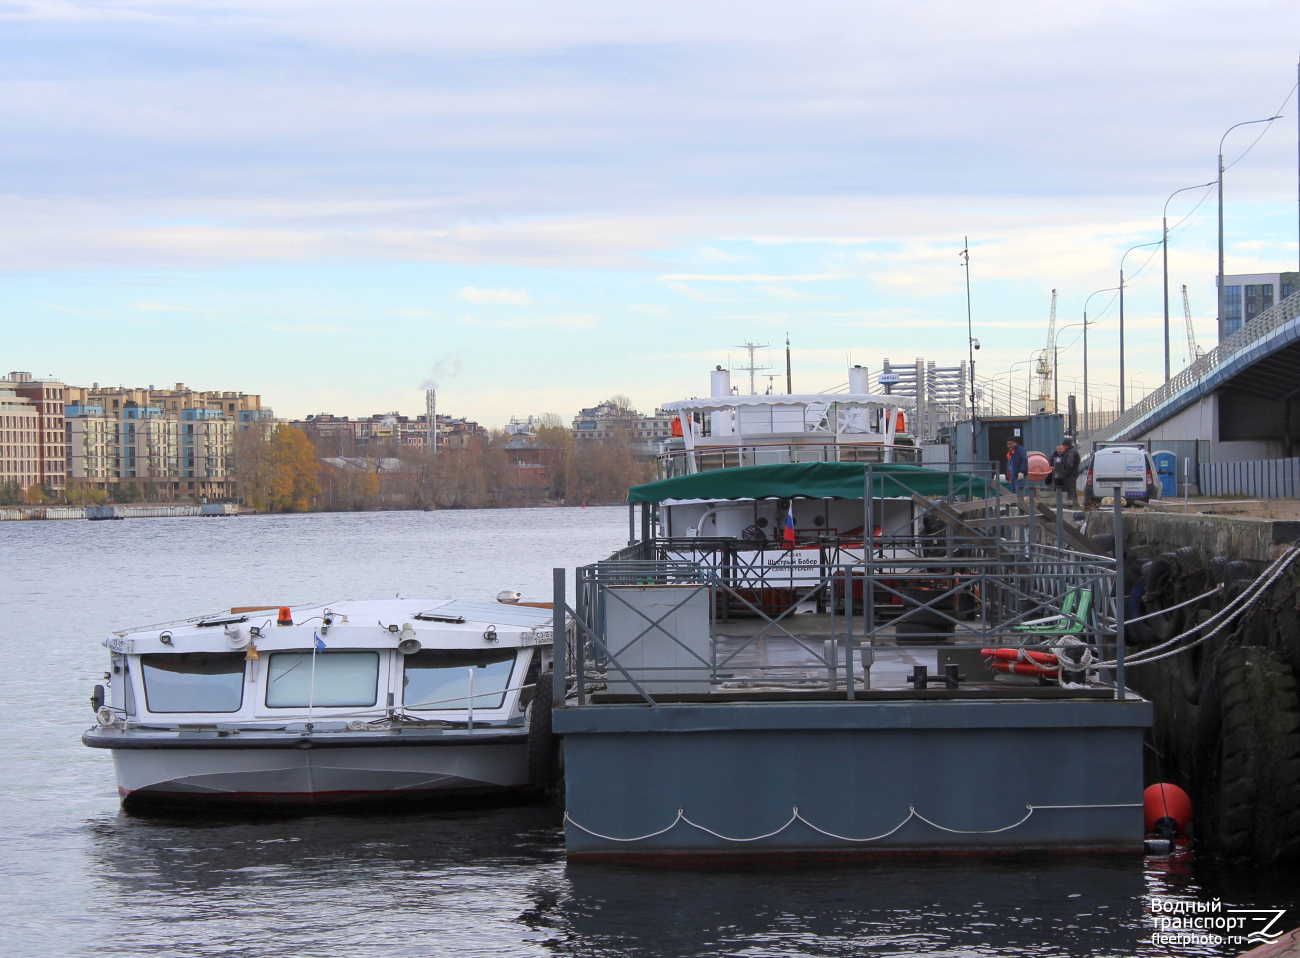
x=360, y=700
x=769, y=489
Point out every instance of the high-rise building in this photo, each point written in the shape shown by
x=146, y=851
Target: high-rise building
x=19, y=442
x=1246, y=295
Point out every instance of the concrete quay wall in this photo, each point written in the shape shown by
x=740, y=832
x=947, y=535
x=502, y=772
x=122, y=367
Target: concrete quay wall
x=1236, y=537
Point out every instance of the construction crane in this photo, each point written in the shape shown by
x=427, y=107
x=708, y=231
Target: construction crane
x=1045, y=401
x=1194, y=352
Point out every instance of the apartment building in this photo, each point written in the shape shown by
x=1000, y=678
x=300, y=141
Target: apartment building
x=342, y=436
x=171, y=443
x=20, y=462
x=1246, y=295
x=46, y=397
x=608, y=421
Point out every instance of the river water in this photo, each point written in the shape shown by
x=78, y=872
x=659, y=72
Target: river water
x=79, y=877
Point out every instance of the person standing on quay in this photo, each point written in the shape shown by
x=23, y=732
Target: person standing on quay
x=1017, y=465
x=1066, y=470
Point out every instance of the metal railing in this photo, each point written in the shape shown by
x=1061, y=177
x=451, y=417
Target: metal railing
x=957, y=572
x=678, y=462
x=1267, y=322
x=989, y=600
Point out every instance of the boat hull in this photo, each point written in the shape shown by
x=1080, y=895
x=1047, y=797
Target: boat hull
x=305, y=772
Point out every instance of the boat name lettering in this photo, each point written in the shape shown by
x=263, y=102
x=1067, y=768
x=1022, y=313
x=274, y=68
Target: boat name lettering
x=798, y=561
x=121, y=645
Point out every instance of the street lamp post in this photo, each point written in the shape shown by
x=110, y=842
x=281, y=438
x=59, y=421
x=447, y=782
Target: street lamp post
x=1164, y=245
x=1056, y=368
x=971, y=344
x=1087, y=428
x=1011, y=384
x=1121, y=318
x=1268, y=119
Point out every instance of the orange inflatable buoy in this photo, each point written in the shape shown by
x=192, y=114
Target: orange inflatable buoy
x=1166, y=801
x=1040, y=467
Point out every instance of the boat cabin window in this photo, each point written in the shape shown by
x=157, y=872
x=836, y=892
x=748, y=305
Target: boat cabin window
x=340, y=679
x=192, y=681
x=128, y=696
x=439, y=678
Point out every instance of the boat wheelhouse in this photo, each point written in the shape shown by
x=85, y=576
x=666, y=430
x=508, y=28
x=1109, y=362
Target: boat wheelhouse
x=777, y=488
x=725, y=430
x=392, y=698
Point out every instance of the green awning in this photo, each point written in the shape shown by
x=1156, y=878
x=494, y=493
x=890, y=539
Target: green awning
x=813, y=480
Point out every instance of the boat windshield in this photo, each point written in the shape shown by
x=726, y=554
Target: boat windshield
x=193, y=681
x=440, y=678
x=332, y=680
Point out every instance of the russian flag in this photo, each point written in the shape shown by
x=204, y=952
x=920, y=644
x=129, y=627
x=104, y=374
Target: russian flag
x=788, y=534
x=320, y=643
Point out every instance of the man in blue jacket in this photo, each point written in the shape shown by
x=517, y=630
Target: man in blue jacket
x=1017, y=465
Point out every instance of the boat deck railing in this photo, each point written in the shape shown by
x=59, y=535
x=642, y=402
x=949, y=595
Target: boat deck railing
x=682, y=462
x=666, y=617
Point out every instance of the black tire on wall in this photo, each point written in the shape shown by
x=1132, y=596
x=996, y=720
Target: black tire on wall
x=1216, y=574
x=543, y=743
x=1250, y=759
x=1161, y=592
x=1104, y=544
x=1191, y=664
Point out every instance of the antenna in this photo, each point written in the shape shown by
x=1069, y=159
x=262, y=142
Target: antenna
x=753, y=368
x=970, y=334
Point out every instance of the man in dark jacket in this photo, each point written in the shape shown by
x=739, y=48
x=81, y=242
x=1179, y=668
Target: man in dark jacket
x=1017, y=465
x=1069, y=467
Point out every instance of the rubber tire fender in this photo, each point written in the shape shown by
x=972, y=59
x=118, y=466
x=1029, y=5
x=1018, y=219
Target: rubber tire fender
x=1104, y=544
x=1161, y=592
x=543, y=743
x=1255, y=797
x=1192, y=670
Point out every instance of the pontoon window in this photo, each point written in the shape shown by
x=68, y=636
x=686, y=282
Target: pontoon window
x=192, y=681
x=334, y=680
x=439, y=678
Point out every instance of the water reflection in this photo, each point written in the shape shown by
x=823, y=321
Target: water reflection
x=1075, y=907
x=430, y=884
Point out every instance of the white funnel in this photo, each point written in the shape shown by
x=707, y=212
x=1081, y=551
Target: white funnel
x=859, y=380
x=720, y=382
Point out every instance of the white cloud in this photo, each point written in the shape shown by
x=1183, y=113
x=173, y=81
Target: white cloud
x=513, y=297
x=752, y=278
x=791, y=295
x=577, y=321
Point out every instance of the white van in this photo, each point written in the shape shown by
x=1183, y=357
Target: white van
x=1128, y=459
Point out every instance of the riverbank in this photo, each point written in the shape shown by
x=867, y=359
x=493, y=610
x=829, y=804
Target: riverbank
x=124, y=511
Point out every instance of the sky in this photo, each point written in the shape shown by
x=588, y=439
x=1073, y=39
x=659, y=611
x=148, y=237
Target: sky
x=536, y=206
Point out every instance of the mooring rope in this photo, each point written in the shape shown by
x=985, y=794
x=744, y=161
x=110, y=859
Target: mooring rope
x=796, y=816
x=1223, y=617
x=1174, y=608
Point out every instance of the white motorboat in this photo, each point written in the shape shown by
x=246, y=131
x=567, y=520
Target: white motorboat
x=354, y=701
